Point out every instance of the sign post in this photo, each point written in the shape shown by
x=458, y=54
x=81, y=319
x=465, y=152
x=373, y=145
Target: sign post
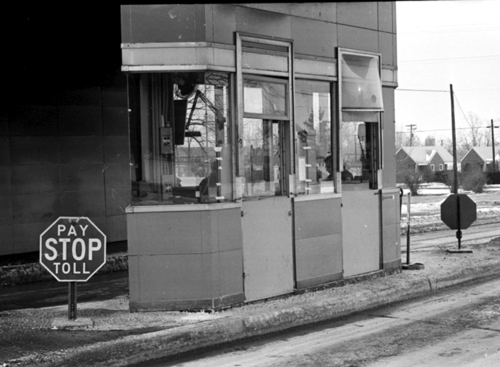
x=72, y=249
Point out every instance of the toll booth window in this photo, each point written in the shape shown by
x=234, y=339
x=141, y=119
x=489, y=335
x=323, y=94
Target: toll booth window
x=360, y=155
x=262, y=147
x=180, y=146
x=314, y=164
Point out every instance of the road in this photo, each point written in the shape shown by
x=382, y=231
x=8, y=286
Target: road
x=453, y=328
x=52, y=293
x=430, y=240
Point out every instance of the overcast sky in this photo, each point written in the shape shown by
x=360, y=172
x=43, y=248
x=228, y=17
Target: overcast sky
x=442, y=43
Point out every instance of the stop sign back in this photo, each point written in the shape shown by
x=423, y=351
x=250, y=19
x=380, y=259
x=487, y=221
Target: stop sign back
x=72, y=249
x=458, y=206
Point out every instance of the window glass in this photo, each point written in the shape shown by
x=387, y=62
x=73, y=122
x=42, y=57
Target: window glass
x=261, y=157
x=361, y=82
x=360, y=154
x=180, y=138
x=262, y=133
x=314, y=171
x=265, y=97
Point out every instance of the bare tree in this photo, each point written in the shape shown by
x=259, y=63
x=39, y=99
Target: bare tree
x=473, y=136
x=403, y=139
x=430, y=141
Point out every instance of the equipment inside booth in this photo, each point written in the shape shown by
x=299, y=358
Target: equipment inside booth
x=178, y=131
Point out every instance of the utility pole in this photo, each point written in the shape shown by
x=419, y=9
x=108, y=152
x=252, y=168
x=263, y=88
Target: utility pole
x=411, y=127
x=492, y=127
x=454, y=141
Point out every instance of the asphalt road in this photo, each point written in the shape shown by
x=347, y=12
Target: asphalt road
x=430, y=240
x=452, y=328
x=52, y=293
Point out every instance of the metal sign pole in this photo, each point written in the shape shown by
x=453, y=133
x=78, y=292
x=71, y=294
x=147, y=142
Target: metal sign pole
x=72, y=306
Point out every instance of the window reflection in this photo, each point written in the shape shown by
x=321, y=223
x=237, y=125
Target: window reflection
x=313, y=126
x=265, y=97
x=359, y=153
x=261, y=155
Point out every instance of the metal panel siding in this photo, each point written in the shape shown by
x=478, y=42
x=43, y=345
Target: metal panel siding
x=320, y=11
x=262, y=22
x=163, y=23
x=209, y=235
x=360, y=14
x=386, y=45
x=267, y=248
x=166, y=233
x=318, y=257
x=314, y=38
x=229, y=226
x=388, y=140
x=360, y=232
x=223, y=24
x=317, y=218
x=133, y=278
x=391, y=246
x=163, y=277
x=385, y=15
x=231, y=272
x=357, y=38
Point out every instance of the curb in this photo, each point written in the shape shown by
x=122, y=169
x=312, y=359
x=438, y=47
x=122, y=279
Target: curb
x=174, y=341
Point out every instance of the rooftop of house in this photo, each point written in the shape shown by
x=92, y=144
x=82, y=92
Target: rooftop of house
x=423, y=155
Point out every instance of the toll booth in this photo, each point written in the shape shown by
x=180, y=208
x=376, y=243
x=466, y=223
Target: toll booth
x=262, y=149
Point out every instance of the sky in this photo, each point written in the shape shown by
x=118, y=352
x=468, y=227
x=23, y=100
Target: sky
x=443, y=43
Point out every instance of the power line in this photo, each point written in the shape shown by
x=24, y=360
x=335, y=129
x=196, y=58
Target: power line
x=422, y=90
x=449, y=59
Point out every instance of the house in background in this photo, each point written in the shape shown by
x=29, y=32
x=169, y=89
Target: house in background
x=479, y=158
x=423, y=159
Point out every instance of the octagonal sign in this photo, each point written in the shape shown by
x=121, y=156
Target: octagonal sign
x=458, y=206
x=72, y=249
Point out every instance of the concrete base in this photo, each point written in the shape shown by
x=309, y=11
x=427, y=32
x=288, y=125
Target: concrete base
x=459, y=251
x=413, y=266
x=78, y=324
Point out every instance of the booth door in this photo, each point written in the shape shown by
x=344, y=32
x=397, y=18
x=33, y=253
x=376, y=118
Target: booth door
x=266, y=210
x=360, y=232
x=267, y=248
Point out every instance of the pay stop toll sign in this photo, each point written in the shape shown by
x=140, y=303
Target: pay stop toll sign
x=72, y=249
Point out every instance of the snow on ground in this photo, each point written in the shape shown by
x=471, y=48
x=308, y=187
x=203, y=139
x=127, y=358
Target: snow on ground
x=425, y=209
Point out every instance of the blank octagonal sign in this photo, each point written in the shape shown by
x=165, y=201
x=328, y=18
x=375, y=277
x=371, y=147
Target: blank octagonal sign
x=458, y=206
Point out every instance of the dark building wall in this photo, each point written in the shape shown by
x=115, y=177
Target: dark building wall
x=63, y=123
